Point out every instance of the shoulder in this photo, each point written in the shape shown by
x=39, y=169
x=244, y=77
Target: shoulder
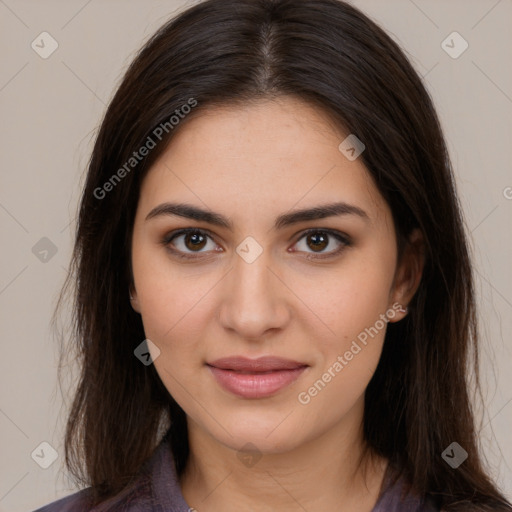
x=73, y=502
x=391, y=502
x=154, y=488
x=397, y=496
x=135, y=498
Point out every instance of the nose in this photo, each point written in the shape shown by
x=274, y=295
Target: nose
x=255, y=301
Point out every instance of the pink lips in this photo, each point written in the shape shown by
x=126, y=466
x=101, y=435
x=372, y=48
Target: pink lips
x=255, y=378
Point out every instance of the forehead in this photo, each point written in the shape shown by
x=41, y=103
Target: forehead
x=269, y=155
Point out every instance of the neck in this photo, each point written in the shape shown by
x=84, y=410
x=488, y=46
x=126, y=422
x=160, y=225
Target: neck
x=328, y=473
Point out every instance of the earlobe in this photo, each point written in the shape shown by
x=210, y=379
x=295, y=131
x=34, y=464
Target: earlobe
x=397, y=312
x=133, y=300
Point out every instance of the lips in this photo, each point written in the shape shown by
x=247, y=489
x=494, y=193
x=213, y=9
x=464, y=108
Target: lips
x=255, y=378
x=262, y=364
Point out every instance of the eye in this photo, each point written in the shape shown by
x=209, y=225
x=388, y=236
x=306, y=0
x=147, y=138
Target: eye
x=189, y=241
x=320, y=239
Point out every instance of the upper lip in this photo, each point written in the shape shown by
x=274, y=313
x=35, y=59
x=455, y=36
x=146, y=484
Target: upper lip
x=262, y=364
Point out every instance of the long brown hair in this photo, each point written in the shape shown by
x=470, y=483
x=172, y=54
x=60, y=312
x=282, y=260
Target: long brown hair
x=328, y=53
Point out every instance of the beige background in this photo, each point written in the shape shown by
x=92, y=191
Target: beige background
x=50, y=109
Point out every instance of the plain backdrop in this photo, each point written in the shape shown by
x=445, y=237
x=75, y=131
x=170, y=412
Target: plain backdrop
x=50, y=108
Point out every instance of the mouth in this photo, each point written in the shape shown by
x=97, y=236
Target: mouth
x=255, y=378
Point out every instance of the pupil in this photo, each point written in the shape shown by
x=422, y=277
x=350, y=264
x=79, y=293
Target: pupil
x=196, y=239
x=318, y=241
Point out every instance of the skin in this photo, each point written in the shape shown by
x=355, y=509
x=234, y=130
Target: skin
x=252, y=164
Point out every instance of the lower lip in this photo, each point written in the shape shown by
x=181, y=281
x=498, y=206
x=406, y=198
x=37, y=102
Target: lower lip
x=255, y=385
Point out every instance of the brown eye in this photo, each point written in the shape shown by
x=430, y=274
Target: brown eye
x=316, y=241
x=195, y=241
x=187, y=241
x=319, y=241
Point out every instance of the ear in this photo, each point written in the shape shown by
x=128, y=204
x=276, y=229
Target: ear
x=134, y=299
x=408, y=274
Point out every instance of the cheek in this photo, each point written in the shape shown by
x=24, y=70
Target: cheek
x=173, y=315
x=166, y=297
x=347, y=360
x=353, y=305
x=173, y=321
x=348, y=300
x=171, y=307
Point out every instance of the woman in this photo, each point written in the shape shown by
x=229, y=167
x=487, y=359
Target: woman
x=274, y=305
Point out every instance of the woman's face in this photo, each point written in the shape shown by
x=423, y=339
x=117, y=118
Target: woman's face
x=257, y=285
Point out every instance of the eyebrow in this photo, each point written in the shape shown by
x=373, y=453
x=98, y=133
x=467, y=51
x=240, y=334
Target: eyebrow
x=318, y=212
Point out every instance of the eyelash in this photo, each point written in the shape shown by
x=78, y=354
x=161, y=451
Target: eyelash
x=344, y=239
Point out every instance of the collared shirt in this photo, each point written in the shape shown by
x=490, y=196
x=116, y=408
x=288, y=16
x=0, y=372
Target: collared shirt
x=157, y=489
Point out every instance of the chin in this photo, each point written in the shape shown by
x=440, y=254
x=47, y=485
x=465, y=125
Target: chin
x=267, y=432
